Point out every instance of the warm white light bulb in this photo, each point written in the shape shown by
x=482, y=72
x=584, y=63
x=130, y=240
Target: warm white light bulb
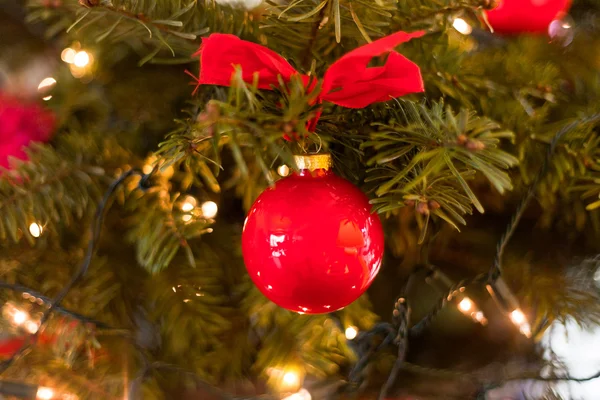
x=19, y=317
x=465, y=305
x=283, y=170
x=462, y=26
x=68, y=55
x=480, y=317
x=189, y=204
x=44, y=393
x=302, y=394
x=35, y=229
x=291, y=379
x=525, y=329
x=46, y=83
x=81, y=59
x=209, y=209
x=517, y=317
x=186, y=218
x=31, y=327
x=351, y=332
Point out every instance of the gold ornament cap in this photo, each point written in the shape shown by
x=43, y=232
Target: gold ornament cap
x=313, y=162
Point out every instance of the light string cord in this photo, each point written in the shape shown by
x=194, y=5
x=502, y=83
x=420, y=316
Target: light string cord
x=366, y=349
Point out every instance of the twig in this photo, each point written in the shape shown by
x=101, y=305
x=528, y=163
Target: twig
x=140, y=18
x=314, y=33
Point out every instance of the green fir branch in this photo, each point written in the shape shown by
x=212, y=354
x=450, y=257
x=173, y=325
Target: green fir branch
x=425, y=156
x=55, y=186
x=159, y=228
x=158, y=30
x=250, y=124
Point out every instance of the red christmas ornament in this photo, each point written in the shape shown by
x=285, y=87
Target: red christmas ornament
x=521, y=16
x=311, y=243
x=22, y=123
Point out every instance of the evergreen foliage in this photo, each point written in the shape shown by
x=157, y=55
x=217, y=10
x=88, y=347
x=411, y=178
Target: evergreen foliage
x=166, y=304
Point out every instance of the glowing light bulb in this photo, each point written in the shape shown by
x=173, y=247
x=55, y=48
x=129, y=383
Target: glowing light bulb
x=81, y=59
x=517, y=317
x=19, y=317
x=462, y=26
x=32, y=326
x=302, y=394
x=44, y=393
x=291, y=379
x=186, y=218
x=46, y=83
x=351, y=332
x=283, y=170
x=525, y=329
x=209, y=209
x=189, y=204
x=68, y=55
x=480, y=317
x=520, y=320
x=35, y=229
x=465, y=305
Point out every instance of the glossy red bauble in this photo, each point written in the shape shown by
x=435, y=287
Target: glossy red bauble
x=521, y=16
x=311, y=243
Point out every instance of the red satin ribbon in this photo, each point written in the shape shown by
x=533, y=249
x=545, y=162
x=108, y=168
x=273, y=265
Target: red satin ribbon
x=348, y=82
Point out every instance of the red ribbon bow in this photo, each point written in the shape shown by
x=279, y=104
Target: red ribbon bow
x=348, y=82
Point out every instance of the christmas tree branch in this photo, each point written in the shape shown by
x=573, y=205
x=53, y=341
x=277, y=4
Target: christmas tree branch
x=58, y=308
x=165, y=27
x=415, y=12
x=80, y=272
x=496, y=269
x=157, y=366
x=426, y=156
